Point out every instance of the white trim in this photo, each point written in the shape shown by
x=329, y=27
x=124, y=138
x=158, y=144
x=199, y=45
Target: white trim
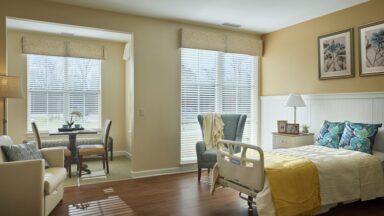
x=167, y=171
x=350, y=95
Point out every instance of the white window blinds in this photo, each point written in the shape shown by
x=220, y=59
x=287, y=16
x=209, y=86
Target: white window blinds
x=58, y=86
x=214, y=81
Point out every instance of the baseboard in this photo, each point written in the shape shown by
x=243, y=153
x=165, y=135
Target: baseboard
x=168, y=171
x=122, y=154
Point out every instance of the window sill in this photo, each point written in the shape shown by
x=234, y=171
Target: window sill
x=188, y=162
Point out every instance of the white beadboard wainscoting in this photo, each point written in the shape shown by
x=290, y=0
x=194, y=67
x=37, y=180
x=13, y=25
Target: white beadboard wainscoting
x=355, y=107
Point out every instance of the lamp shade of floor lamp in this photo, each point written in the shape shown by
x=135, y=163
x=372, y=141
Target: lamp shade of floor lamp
x=294, y=100
x=10, y=87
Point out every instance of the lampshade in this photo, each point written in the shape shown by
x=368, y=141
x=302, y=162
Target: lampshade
x=10, y=87
x=294, y=100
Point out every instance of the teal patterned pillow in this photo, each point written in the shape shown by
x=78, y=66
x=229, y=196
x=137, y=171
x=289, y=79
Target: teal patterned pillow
x=359, y=136
x=330, y=134
x=27, y=151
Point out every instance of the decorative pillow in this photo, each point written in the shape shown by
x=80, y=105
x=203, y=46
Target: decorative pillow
x=359, y=136
x=18, y=152
x=330, y=134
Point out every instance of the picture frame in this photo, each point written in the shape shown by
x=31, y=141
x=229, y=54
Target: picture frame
x=371, y=49
x=336, y=55
x=282, y=126
x=293, y=129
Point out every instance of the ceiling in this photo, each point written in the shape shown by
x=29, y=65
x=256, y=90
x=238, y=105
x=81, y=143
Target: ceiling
x=260, y=16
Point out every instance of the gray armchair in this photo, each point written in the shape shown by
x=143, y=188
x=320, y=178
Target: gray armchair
x=233, y=130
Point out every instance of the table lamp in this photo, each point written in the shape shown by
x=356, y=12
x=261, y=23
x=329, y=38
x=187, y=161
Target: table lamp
x=294, y=100
x=10, y=87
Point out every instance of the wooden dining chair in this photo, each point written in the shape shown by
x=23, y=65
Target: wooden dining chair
x=67, y=152
x=95, y=149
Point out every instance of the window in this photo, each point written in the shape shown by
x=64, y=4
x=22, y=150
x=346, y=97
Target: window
x=214, y=81
x=58, y=86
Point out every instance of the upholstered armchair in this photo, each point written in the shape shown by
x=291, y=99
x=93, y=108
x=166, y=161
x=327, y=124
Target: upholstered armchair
x=233, y=130
x=27, y=188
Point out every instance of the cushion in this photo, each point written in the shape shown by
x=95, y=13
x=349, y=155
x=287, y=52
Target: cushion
x=330, y=134
x=359, y=136
x=210, y=155
x=379, y=155
x=27, y=151
x=67, y=152
x=90, y=149
x=4, y=140
x=230, y=126
x=53, y=177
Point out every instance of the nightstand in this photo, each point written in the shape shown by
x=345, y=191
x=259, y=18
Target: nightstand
x=282, y=140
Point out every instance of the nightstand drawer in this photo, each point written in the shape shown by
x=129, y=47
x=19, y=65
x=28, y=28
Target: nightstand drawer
x=292, y=140
x=281, y=142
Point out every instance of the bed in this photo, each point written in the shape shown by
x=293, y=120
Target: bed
x=344, y=175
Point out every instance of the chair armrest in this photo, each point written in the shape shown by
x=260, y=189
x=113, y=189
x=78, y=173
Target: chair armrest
x=55, y=157
x=22, y=190
x=200, y=148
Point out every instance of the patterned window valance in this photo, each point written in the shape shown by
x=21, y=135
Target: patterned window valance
x=191, y=38
x=59, y=47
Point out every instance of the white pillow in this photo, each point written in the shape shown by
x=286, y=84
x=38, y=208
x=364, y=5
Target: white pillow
x=379, y=141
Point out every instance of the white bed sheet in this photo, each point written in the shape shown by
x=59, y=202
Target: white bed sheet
x=344, y=175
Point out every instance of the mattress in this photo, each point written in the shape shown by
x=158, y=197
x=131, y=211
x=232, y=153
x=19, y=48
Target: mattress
x=344, y=175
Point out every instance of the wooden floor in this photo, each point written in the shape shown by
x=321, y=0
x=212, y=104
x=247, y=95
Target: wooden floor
x=172, y=195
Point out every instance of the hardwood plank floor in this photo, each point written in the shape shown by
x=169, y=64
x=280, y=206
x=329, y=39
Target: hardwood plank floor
x=172, y=195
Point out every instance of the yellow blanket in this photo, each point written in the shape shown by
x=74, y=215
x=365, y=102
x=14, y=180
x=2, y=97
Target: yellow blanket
x=294, y=184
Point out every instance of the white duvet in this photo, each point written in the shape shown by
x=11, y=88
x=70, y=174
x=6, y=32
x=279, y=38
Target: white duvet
x=344, y=176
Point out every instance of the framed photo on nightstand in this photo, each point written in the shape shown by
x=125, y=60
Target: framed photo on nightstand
x=282, y=126
x=293, y=128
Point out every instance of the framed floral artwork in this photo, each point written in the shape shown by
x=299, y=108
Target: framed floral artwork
x=371, y=43
x=336, y=55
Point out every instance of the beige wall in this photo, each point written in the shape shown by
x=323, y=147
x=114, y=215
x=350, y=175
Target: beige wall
x=112, y=85
x=156, y=142
x=290, y=61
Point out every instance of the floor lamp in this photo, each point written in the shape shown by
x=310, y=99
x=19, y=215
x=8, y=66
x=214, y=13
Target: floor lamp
x=294, y=100
x=10, y=87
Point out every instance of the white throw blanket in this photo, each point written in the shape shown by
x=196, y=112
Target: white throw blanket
x=344, y=175
x=213, y=127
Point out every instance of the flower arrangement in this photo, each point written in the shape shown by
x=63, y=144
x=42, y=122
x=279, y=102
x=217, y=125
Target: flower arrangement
x=73, y=114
